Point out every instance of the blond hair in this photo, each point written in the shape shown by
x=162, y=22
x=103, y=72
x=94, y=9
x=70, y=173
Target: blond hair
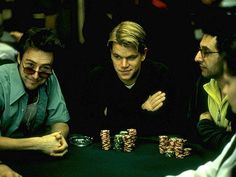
x=128, y=34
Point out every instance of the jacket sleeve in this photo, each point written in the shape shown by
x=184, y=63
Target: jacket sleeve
x=196, y=105
x=213, y=135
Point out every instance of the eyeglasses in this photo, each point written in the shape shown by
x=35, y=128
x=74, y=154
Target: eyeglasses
x=43, y=74
x=205, y=52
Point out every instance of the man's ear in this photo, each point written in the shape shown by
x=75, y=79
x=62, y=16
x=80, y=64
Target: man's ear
x=144, y=54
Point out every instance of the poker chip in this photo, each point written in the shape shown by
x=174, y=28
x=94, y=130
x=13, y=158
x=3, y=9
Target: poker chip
x=173, y=147
x=118, y=142
x=106, y=139
x=133, y=133
x=124, y=141
x=163, y=143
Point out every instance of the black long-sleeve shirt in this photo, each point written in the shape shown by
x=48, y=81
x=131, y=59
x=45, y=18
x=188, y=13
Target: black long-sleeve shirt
x=108, y=104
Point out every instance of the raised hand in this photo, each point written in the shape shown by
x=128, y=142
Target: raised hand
x=154, y=102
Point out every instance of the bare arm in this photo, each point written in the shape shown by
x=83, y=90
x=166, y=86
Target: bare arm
x=60, y=127
x=6, y=171
x=52, y=144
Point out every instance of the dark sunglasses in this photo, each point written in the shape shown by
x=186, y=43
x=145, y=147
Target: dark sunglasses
x=42, y=74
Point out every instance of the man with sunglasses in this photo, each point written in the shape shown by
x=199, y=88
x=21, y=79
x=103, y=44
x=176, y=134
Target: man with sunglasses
x=33, y=113
x=209, y=113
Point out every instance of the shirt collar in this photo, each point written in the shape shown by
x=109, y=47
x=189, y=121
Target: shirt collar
x=17, y=86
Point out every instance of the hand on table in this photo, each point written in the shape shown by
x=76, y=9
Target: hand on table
x=53, y=144
x=154, y=102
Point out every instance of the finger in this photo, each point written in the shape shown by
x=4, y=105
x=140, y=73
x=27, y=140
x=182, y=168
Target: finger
x=63, y=142
x=155, y=97
x=151, y=97
x=18, y=175
x=154, y=102
x=157, y=103
x=58, y=135
x=158, y=106
x=157, y=94
x=59, y=154
x=61, y=148
x=55, y=134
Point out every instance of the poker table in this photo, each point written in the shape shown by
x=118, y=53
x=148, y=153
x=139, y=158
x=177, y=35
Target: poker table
x=144, y=160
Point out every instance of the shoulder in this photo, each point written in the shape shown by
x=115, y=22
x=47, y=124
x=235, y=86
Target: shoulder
x=8, y=69
x=52, y=81
x=155, y=69
x=155, y=66
x=101, y=71
x=10, y=80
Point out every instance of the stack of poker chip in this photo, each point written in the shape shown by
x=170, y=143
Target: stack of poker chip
x=130, y=139
x=125, y=140
x=170, y=149
x=173, y=147
x=118, y=142
x=133, y=133
x=186, y=152
x=179, y=147
x=128, y=143
x=163, y=143
x=106, y=139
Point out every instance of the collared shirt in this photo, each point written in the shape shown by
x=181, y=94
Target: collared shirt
x=216, y=105
x=13, y=102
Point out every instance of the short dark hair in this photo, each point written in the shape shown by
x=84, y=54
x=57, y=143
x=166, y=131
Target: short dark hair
x=219, y=25
x=41, y=38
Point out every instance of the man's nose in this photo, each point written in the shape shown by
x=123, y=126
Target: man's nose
x=198, y=57
x=124, y=62
x=36, y=74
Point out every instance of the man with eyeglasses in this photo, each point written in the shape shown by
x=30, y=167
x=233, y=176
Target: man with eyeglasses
x=209, y=113
x=33, y=113
x=224, y=164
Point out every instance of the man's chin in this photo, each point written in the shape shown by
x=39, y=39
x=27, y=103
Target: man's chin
x=204, y=74
x=125, y=78
x=32, y=86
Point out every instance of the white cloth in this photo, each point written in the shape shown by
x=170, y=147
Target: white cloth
x=7, y=52
x=210, y=168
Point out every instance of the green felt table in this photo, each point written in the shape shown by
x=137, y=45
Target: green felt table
x=92, y=161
